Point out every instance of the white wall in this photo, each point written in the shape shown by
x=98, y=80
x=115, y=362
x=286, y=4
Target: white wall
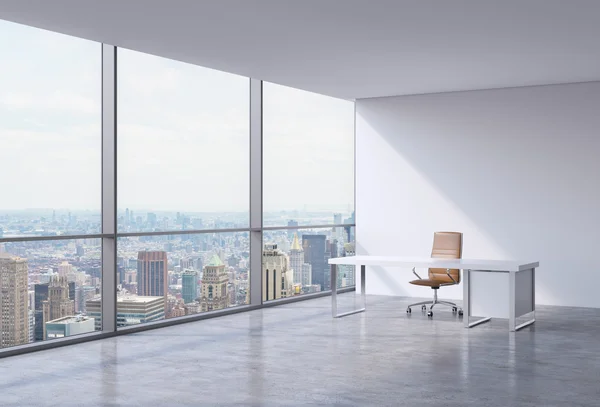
x=516, y=170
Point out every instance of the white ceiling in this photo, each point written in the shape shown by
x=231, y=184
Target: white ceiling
x=348, y=48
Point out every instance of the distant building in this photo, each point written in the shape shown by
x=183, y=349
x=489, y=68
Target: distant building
x=14, y=315
x=291, y=232
x=306, y=274
x=152, y=274
x=69, y=326
x=82, y=294
x=64, y=269
x=31, y=319
x=191, y=308
x=41, y=295
x=296, y=259
x=177, y=311
x=58, y=304
x=338, y=231
x=314, y=254
x=131, y=310
x=315, y=288
x=214, y=286
x=189, y=286
x=151, y=219
x=277, y=276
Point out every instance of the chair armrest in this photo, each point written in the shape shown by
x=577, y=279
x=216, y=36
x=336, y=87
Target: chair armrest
x=415, y=273
x=451, y=278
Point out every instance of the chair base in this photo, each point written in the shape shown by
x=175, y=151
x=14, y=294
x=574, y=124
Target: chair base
x=433, y=302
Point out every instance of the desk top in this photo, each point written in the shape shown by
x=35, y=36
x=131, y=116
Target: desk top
x=463, y=264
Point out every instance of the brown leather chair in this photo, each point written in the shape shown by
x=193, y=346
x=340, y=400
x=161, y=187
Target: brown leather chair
x=446, y=245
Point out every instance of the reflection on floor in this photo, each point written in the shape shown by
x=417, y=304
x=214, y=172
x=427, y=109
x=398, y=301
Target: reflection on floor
x=296, y=355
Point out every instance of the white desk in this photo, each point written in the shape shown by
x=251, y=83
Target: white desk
x=491, y=288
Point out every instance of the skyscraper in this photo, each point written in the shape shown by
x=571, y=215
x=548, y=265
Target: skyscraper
x=189, y=286
x=41, y=295
x=58, y=304
x=291, y=232
x=314, y=254
x=214, y=285
x=152, y=274
x=296, y=259
x=14, y=317
x=337, y=232
x=306, y=275
x=277, y=275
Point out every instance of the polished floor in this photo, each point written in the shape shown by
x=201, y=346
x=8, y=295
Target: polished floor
x=297, y=355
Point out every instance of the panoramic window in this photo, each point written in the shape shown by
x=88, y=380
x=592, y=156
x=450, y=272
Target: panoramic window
x=50, y=161
x=183, y=167
x=308, y=158
x=183, y=146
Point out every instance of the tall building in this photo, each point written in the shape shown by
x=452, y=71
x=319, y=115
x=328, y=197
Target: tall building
x=152, y=274
x=296, y=259
x=331, y=251
x=214, y=286
x=314, y=254
x=291, y=232
x=131, y=310
x=82, y=294
x=41, y=295
x=338, y=231
x=189, y=286
x=277, y=275
x=31, y=317
x=14, y=315
x=306, y=275
x=58, y=304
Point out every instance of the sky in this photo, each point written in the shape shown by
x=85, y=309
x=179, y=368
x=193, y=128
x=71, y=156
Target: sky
x=183, y=133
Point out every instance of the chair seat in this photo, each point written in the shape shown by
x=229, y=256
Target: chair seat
x=429, y=282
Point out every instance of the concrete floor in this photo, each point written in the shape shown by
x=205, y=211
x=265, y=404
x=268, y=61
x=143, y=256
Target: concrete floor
x=297, y=355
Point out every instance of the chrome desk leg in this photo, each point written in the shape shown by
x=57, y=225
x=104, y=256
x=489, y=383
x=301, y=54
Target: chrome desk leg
x=532, y=320
x=363, y=294
x=512, y=276
x=363, y=286
x=467, y=302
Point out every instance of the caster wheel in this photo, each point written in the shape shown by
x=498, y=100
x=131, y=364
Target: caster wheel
x=454, y=309
x=430, y=314
x=460, y=313
x=423, y=308
x=408, y=310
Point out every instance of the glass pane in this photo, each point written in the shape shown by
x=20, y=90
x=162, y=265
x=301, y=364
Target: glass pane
x=50, y=112
x=308, y=158
x=183, y=146
x=175, y=275
x=295, y=261
x=45, y=287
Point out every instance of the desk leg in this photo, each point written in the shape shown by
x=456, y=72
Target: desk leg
x=512, y=276
x=466, y=298
x=363, y=294
x=467, y=302
x=333, y=281
x=515, y=327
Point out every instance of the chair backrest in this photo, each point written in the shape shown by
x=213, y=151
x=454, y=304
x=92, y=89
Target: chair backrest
x=446, y=245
